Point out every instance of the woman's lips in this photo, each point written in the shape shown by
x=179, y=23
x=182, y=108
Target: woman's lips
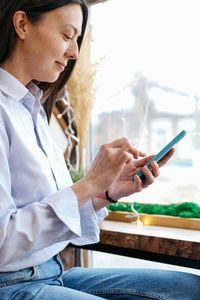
x=60, y=65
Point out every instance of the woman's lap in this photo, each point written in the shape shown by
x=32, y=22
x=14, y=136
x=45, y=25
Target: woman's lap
x=48, y=282
x=134, y=283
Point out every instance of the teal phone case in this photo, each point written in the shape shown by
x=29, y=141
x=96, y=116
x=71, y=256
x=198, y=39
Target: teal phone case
x=161, y=153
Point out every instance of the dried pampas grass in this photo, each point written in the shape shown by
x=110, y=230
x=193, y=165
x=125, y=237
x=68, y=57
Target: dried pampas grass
x=81, y=91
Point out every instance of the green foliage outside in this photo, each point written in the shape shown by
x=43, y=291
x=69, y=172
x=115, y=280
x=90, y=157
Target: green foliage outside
x=184, y=210
x=77, y=175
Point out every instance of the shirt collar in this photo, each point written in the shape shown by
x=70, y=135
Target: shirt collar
x=14, y=88
x=9, y=85
x=32, y=98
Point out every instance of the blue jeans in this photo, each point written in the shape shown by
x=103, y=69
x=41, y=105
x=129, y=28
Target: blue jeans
x=48, y=282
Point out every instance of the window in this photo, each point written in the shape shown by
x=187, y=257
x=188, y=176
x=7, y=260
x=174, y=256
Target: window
x=149, y=86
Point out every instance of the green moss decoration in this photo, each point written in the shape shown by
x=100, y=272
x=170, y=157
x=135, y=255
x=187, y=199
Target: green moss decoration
x=184, y=210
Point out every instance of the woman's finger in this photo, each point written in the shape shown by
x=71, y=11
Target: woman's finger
x=143, y=161
x=123, y=157
x=165, y=158
x=138, y=184
x=149, y=177
x=155, y=169
x=163, y=161
x=127, y=145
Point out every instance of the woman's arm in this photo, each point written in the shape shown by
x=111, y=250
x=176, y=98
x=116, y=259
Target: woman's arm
x=105, y=169
x=112, y=170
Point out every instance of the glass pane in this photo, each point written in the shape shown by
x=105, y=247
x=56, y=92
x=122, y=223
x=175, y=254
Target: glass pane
x=148, y=86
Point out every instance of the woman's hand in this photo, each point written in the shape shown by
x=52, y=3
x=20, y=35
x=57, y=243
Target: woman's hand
x=123, y=186
x=106, y=168
x=110, y=162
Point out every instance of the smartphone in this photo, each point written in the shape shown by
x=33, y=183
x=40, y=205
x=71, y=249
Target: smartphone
x=162, y=153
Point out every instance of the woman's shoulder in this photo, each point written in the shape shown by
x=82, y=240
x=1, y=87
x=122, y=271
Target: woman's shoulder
x=8, y=109
x=3, y=103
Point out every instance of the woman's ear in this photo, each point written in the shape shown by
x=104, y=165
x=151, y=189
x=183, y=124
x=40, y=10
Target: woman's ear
x=20, y=23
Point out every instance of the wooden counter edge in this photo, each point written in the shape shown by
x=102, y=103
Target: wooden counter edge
x=153, y=244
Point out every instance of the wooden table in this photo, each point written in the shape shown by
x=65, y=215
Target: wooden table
x=155, y=243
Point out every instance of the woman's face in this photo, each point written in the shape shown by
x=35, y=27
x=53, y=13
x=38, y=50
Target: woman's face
x=51, y=42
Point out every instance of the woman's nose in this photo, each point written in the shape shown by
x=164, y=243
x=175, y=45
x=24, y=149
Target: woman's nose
x=72, y=50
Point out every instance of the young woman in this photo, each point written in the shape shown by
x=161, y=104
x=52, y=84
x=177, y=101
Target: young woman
x=41, y=211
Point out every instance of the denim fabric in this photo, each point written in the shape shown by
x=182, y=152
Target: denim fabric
x=48, y=282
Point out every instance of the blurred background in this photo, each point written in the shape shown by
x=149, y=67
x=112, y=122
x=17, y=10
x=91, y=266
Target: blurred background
x=148, y=86
x=145, y=68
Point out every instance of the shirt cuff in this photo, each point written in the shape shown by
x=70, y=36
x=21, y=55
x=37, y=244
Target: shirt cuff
x=65, y=206
x=89, y=224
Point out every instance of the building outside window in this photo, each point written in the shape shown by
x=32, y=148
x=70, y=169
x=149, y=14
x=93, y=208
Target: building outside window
x=149, y=86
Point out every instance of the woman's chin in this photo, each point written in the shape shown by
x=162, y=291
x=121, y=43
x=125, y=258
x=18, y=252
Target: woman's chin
x=50, y=79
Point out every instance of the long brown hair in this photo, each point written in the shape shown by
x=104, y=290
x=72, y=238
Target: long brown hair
x=34, y=10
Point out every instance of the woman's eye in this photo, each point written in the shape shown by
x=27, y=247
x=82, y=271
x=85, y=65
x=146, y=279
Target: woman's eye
x=67, y=37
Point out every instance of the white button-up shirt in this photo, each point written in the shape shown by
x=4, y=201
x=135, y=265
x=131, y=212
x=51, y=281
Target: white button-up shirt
x=39, y=213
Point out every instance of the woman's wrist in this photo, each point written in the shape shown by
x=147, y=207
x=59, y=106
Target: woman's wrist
x=106, y=196
x=109, y=198
x=83, y=190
